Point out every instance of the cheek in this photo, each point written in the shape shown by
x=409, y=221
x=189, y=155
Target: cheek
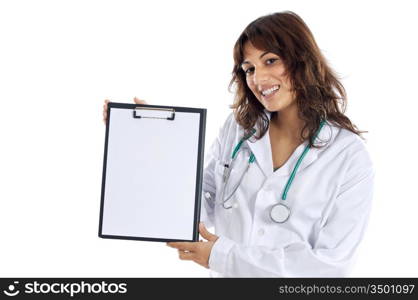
x=251, y=85
x=287, y=90
x=286, y=83
x=281, y=73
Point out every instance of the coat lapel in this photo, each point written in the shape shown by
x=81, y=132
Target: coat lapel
x=262, y=151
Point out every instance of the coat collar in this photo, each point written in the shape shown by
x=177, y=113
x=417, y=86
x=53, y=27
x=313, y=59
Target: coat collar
x=262, y=151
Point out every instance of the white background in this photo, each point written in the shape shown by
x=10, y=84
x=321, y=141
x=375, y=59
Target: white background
x=60, y=59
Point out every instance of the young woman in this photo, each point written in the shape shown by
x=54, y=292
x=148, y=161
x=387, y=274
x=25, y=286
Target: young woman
x=288, y=182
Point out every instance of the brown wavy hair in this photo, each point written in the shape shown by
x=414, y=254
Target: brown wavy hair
x=319, y=93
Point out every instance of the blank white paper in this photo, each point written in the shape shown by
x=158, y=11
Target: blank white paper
x=151, y=169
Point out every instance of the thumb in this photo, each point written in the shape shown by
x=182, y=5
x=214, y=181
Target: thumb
x=206, y=234
x=139, y=101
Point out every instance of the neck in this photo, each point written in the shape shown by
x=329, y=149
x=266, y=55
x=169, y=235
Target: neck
x=287, y=125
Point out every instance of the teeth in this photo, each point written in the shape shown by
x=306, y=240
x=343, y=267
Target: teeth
x=269, y=91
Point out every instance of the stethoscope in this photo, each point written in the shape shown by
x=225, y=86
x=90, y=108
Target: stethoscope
x=279, y=212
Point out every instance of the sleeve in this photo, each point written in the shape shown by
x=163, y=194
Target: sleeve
x=209, y=186
x=330, y=255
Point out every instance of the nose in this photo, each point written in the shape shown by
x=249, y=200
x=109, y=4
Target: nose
x=261, y=76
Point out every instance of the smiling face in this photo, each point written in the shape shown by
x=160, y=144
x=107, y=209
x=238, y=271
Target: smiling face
x=266, y=77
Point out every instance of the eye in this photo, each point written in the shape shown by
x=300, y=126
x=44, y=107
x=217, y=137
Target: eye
x=250, y=70
x=272, y=60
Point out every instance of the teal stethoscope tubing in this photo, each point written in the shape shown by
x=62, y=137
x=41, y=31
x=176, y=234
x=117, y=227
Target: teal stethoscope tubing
x=252, y=159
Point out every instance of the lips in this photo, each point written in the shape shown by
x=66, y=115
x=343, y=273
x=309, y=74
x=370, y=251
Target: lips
x=268, y=96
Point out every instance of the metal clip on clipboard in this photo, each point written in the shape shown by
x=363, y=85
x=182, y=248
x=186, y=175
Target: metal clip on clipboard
x=154, y=113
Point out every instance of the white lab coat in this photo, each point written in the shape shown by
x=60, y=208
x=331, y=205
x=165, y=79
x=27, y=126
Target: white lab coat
x=330, y=200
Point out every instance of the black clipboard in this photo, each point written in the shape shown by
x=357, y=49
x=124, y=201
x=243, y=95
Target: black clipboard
x=152, y=151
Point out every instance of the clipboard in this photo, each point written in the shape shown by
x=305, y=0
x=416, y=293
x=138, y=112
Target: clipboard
x=152, y=173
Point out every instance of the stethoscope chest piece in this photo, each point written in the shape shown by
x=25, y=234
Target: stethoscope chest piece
x=279, y=213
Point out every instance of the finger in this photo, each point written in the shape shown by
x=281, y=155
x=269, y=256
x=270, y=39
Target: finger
x=186, y=255
x=189, y=246
x=206, y=234
x=139, y=101
x=105, y=110
x=185, y=246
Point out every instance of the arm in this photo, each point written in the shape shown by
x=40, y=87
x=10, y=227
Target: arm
x=209, y=188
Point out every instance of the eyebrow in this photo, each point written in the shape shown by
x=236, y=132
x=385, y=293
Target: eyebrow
x=247, y=62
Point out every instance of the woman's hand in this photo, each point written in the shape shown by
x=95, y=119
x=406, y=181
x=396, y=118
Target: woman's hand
x=199, y=252
x=136, y=100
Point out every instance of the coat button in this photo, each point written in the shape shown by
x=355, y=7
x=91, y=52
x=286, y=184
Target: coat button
x=261, y=232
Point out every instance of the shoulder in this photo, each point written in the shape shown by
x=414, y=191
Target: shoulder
x=231, y=129
x=230, y=122
x=352, y=148
x=229, y=135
